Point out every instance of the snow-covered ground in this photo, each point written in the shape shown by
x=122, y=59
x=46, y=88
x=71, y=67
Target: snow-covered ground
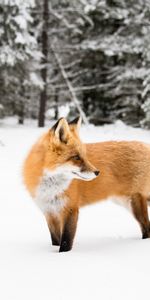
x=109, y=259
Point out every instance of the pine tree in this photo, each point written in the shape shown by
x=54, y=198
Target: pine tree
x=119, y=49
x=19, y=54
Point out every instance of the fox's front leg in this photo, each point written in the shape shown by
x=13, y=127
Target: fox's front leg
x=54, y=226
x=69, y=229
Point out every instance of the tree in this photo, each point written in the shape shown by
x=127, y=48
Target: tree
x=120, y=45
x=94, y=55
x=44, y=42
x=19, y=54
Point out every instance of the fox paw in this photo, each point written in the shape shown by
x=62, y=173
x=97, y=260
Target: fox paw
x=64, y=247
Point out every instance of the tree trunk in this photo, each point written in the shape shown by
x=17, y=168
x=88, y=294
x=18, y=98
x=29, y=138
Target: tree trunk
x=21, y=117
x=56, y=107
x=44, y=38
x=21, y=105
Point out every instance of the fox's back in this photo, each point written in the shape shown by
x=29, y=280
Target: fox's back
x=124, y=170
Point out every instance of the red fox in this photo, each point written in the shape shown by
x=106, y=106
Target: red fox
x=62, y=174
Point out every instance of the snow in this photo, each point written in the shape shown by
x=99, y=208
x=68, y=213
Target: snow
x=21, y=22
x=109, y=259
x=63, y=111
x=88, y=8
x=36, y=80
x=19, y=39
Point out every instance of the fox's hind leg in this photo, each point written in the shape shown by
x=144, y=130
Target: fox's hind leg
x=54, y=226
x=140, y=212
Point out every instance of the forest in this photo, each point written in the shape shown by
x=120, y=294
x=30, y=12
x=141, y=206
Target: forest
x=87, y=57
x=65, y=58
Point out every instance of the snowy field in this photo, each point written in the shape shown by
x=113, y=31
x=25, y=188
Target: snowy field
x=109, y=259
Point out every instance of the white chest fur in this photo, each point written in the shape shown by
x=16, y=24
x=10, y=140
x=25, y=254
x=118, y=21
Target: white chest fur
x=49, y=196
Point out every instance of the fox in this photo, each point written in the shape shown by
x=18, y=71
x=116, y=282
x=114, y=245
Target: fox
x=63, y=174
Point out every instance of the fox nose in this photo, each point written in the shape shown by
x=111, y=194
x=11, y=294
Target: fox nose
x=96, y=173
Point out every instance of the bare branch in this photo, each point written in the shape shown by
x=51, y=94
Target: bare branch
x=64, y=20
x=72, y=64
x=70, y=87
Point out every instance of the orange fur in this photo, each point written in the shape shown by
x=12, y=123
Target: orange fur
x=124, y=171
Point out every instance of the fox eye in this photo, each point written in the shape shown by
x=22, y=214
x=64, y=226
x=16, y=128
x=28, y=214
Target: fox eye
x=75, y=157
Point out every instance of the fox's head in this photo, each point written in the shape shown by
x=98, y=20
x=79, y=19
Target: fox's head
x=66, y=154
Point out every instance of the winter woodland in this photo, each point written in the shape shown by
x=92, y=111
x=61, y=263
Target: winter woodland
x=65, y=58
x=88, y=57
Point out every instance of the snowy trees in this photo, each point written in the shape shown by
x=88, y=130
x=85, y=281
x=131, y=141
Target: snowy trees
x=119, y=41
x=19, y=54
x=17, y=41
x=103, y=47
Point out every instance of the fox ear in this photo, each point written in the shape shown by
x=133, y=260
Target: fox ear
x=76, y=122
x=61, y=130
